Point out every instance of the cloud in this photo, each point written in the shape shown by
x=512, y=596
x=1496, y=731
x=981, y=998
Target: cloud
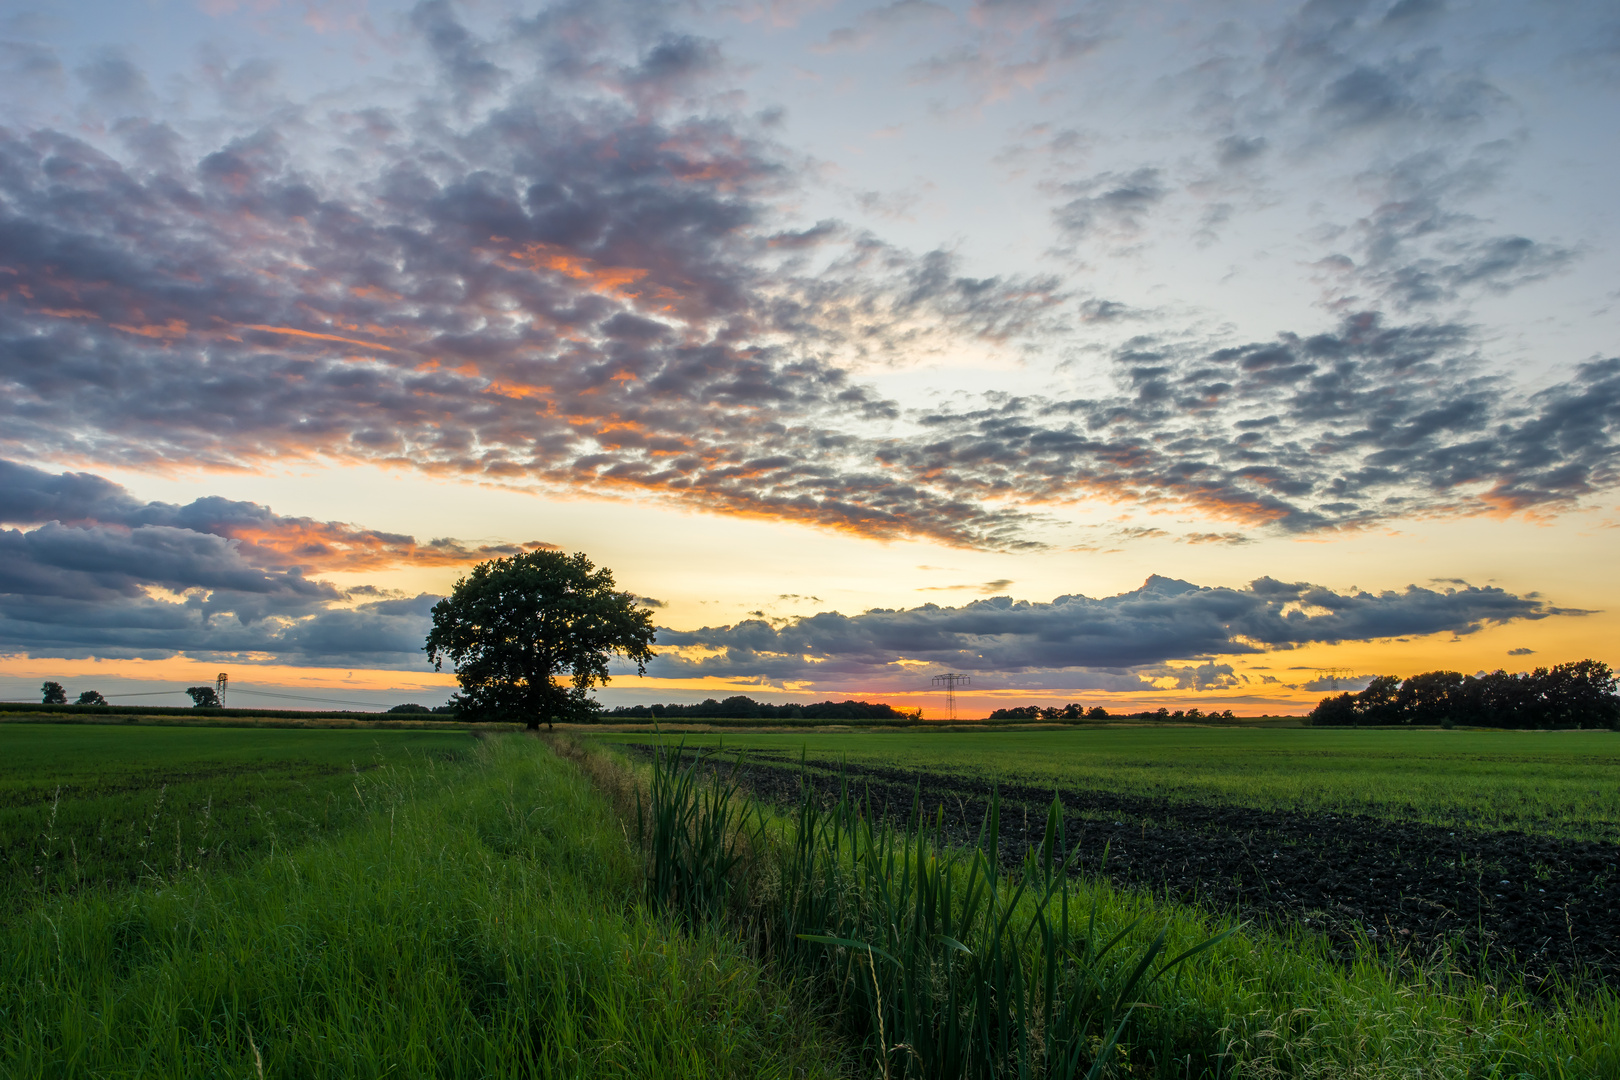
x=989, y=588
x=561, y=266
x=258, y=535
x=563, y=289
x=1370, y=422
x=1521, y=652
x=105, y=574
x=1113, y=204
x=1122, y=640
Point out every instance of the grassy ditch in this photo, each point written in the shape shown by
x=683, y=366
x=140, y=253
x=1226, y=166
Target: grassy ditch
x=478, y=918
x=941, y=967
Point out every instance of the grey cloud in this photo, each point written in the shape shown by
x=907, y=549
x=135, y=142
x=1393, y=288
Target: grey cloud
x=1417, y=249
x=461, y=56
x=1136, y=634
x=115, y=83
x=251, y=532
x=1411, y=11
x=103, y=564
x=1238, y=149
x=564, y=290
x=1110, y=202
x=1340, y=429
x=382, y=635
x=113, y=577
x=30, y=64
x=631, y=257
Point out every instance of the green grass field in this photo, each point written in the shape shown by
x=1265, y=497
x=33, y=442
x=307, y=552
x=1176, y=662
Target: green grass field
x=476, y=914
x=106, y=804
x=277, y=902
x=1563, y=783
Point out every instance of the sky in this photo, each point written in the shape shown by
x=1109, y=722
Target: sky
x=1214, y=355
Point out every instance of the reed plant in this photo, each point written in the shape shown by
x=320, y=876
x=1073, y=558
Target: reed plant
x=941, y=965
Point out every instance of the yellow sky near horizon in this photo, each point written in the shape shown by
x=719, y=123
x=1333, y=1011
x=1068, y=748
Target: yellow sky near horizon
x=713, y=570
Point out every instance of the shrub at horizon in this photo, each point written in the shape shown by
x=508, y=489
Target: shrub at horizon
x=1097, y=712
x=1579, y=694
x=203, y=697
x=515, y=628
x=739, y=707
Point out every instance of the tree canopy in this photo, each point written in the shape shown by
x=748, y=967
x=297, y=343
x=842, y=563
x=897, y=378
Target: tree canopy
x=1579, y=694
x=531, y=635
x=203, y=697
x=52, y=693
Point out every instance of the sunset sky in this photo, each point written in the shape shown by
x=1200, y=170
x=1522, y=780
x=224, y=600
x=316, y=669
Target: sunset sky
x=1132, y=354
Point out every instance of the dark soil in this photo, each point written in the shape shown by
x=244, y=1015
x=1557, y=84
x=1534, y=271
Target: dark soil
x=1549, y=907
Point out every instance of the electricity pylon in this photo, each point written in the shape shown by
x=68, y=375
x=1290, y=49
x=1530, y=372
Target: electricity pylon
x=951, y=682
x=1334, y=676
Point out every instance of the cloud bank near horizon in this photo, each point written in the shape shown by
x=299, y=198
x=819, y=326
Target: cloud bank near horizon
x=101, y=574
x=562, y=263
x=1165, y=633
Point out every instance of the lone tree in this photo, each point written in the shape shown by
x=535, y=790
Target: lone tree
x=203, y=697
x=530, y=635
x=52, y=693
x=91, y=697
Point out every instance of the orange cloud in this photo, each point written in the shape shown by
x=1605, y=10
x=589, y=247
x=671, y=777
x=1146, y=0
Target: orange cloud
x=321, y=337
x=602, y=279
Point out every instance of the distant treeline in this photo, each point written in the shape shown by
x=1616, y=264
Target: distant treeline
x=187, y=711
x=1578, y=695
x=746, y=708
x=1097, y=712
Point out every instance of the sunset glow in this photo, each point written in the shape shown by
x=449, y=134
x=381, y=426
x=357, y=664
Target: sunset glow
x=1156, y=356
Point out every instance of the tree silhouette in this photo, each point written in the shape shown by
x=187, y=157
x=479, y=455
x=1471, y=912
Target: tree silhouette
x=203, y=697
x=91, y=697
x=530, y=635
x=52, y=693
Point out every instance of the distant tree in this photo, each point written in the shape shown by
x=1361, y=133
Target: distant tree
x=52, y=693
x=411, y=708
x=1379, y=702
x=1096, y=712
x=1430, y=697
x=1338, y=710
x=91, y=697
x=531, y=635
x=203, y=697
x=1580, y=694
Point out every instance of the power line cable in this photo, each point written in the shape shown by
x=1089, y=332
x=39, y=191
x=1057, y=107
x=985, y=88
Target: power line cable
x=237, y=689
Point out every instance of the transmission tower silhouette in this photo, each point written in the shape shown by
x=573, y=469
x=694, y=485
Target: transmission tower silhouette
x=1334, y=676
x=951, y=682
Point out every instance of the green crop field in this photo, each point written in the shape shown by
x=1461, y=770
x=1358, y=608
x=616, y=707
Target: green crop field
x=353, y=904
x=98, y=805
x=193, y=901
x=1561, y=783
